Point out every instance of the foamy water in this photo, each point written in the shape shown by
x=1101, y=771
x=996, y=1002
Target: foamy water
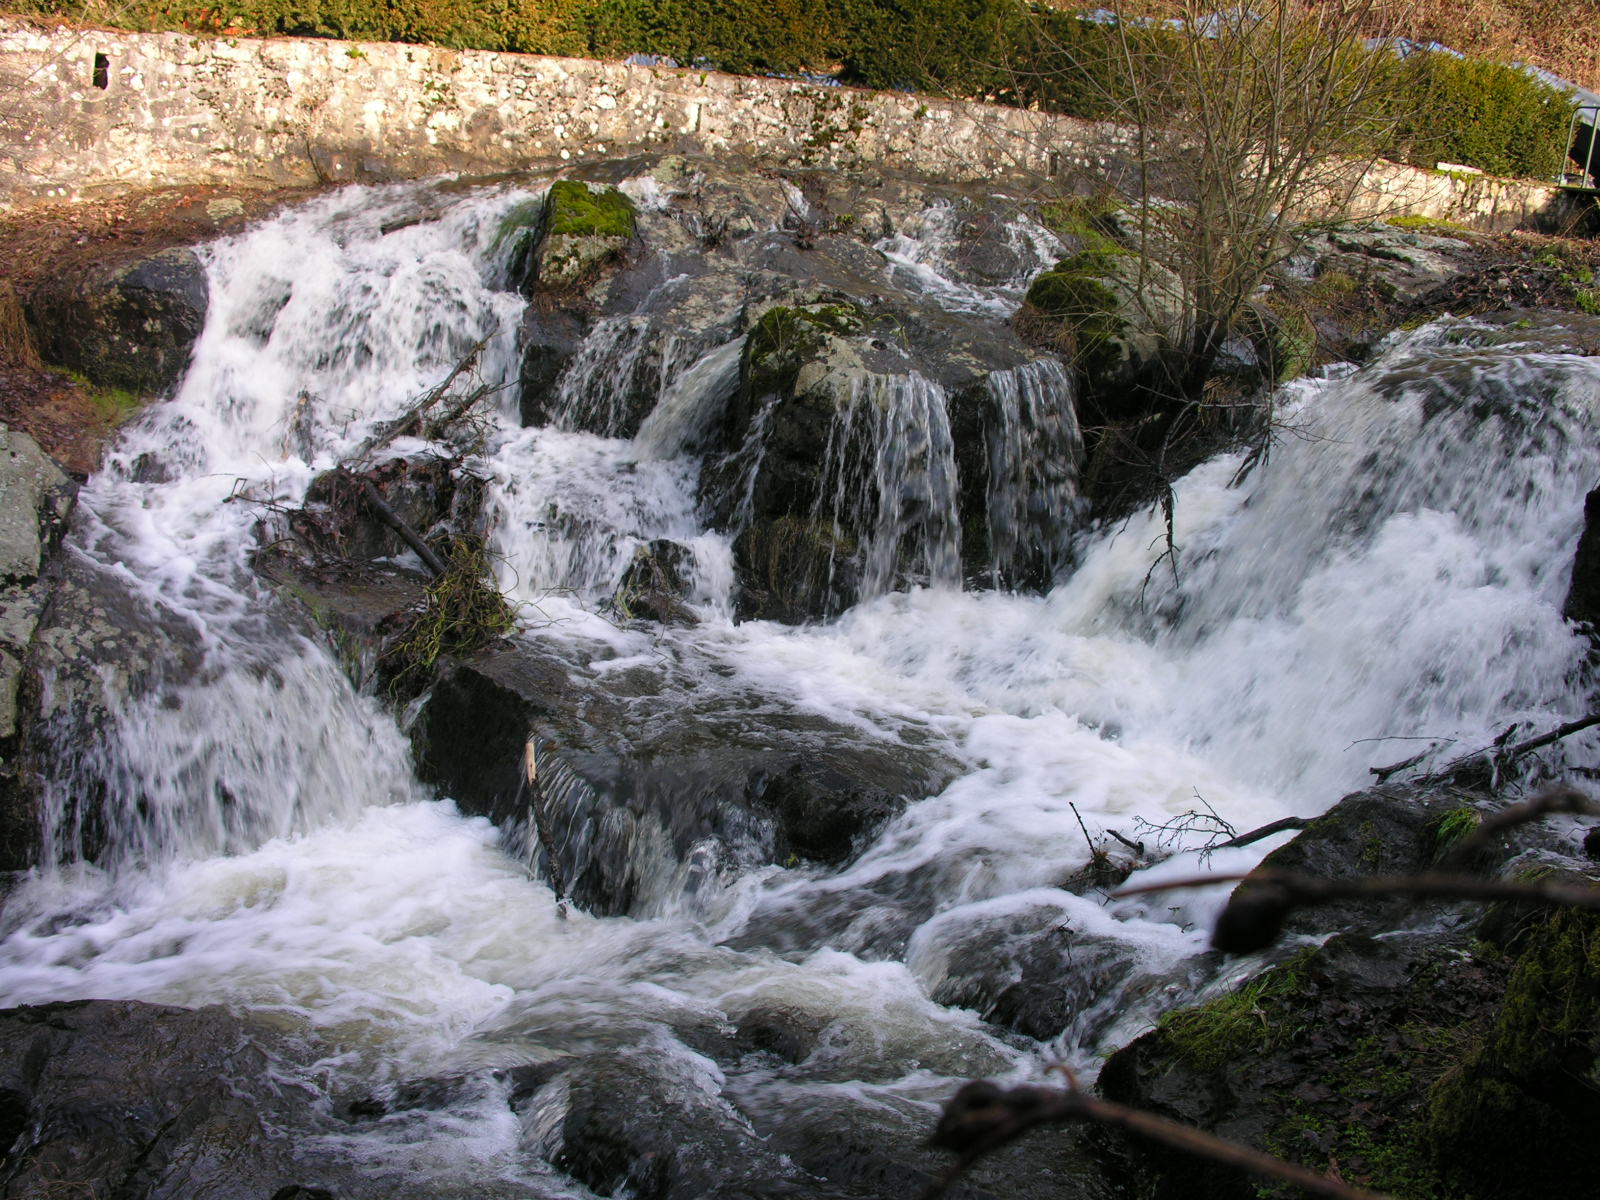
x=1393, y=571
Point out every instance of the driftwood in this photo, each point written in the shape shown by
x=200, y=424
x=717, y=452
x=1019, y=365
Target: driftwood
x=394, y=521
x=541, y=823
x=983, y=1117
x=1265, y=831
x=412, y=417
x=1491, y=758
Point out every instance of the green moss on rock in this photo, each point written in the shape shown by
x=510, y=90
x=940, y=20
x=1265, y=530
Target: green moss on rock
x=580, y=232
x=787, y=335
x=573, y=210
x=1516, y=1116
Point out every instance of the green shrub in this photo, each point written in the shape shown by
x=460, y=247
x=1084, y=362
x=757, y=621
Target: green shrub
x=1480, y=114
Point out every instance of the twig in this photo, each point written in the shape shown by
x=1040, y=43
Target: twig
x=389, y=430
x=1136, y=847
x=1498, y=754
x=1255, y=914
x=1266, y=831
x=982, y=1117
x=395, y=522
x=1094, y=853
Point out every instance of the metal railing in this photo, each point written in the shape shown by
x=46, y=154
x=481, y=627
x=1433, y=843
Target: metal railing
x=1583, y=134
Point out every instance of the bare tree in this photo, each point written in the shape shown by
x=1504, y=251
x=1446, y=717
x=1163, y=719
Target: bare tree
x=1248, y=128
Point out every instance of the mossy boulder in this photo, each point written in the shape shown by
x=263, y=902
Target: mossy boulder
x=1284, y=340
x=1113, y=312
x=580, y=231
x=788, y=337
x=1515, y=1116
x=1329, y=1057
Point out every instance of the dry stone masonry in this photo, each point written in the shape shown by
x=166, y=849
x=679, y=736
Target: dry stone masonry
x=95, y=109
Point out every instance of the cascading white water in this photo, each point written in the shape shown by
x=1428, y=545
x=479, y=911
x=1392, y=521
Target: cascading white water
x=1033, y=470
x=890, y=454
x=1395, y=570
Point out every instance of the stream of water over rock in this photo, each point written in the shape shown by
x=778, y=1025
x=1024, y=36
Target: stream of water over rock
x=1394, y=570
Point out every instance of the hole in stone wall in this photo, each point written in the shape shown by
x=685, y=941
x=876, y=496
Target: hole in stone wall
x=102, y=71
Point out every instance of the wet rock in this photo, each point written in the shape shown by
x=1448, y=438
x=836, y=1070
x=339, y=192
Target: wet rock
x=652, y=1127
x=36, y=499
x=1583, y=594
x=337, y=521
x=150, y=1103
x=1031, y=972
x=843, y=477
x=655, y=586
x=1388, y=830
x=128, y=324
x=655, y=784
x=1331, y=1055
x=881, y=1148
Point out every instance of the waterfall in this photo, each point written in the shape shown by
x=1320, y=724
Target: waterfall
x=1392, y=570
x=1034, y=450
x=889, y=472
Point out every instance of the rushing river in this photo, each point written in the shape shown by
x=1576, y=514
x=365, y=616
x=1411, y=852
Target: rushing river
x=1391, y=577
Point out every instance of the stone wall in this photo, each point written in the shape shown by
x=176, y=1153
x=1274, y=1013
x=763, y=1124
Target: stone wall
x=94, y=109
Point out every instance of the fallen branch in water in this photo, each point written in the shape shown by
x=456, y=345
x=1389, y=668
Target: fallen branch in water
x=412, y=416
x=394, y=521
x=1491, y=759
x=541, y=824
x=983, y=1117
x=1265, y=831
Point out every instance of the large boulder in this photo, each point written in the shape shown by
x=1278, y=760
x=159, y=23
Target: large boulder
x=150, y=1102
x=1117, y=314
x=36, y=498
x=653, y=787
x=128, y=324
x=844, y=476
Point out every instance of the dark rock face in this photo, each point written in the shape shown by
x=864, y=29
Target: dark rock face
x=1583, y=596
x=649, y=787
x=128, y=325
x=36, y=499
x=1417, y=1048
x=655, y=585
x=1390, y=830
x=857, y=449
x=146, y=1102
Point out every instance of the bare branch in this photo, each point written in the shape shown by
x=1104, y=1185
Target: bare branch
x=983, y=1117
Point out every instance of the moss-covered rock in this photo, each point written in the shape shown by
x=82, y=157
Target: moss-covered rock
x=1114, y=313
x=1328, y=1057
x=1285, y=341
x=580, y=231
x=1516, y=1115
x=788, y=336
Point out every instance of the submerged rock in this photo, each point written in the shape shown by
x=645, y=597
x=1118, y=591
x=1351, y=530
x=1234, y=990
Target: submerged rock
x=149, y=1102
